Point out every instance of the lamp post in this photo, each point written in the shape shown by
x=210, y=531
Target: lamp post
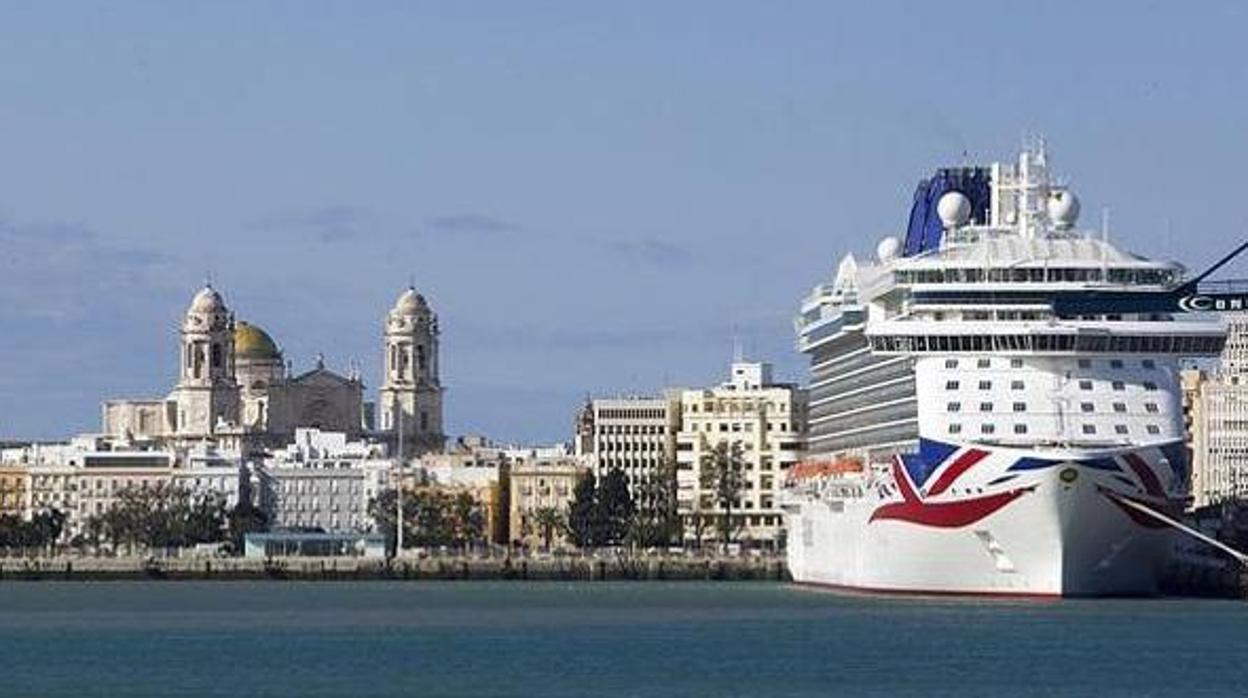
x=398, y=490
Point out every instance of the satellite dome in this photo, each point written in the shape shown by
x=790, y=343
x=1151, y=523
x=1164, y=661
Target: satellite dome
x=1063, y=208
x=888, y=248
x=954, y=209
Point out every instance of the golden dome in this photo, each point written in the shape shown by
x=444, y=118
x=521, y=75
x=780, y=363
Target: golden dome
x=251, y=342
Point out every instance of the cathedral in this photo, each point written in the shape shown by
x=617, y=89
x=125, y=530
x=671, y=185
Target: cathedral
x=236, y=391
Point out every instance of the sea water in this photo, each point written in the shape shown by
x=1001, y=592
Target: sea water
x=600, y=639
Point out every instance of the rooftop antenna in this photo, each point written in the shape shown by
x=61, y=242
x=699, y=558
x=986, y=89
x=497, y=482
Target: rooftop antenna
x=1104, y=243
x=738, y=352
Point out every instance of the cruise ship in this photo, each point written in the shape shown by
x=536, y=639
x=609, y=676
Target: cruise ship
x=994, y=401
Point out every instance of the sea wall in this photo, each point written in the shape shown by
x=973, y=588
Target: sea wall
x=573, y=568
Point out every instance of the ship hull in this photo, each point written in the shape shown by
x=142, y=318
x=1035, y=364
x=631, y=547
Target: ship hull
x=1060, y=535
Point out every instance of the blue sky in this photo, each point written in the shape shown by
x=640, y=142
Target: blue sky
x=593, y=197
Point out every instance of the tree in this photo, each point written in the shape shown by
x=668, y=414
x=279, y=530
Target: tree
x=381, y=509
x=468, y=521
x=656, y=522
x=615, y=507
x=547, y=520
x=723, y=473
x=583, y=513
x=245, y=518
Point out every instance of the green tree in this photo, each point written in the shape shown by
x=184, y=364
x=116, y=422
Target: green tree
x=723, y=474
x=381, y=510
x=583, y=512
x=615, y=507
x=245, y=518
x=547, y=520
x=656, y=522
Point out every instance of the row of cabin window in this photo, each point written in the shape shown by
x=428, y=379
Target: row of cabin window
x=1020, y=428
x=1083, y=385
x=1018, y=363
x=1119, y=407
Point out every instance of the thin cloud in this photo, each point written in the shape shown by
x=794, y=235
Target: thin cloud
x=655, y=253
x=471, y=223
x=327, y=224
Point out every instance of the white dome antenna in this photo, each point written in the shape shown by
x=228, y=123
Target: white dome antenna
x=888, y=249
x=954, y=210
x=1063, y=208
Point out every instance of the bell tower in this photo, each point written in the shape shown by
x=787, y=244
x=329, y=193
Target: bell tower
x=207, y=393
x=411, y=391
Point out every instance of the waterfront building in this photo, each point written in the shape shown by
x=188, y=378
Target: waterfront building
x=764, y=419
x=544, y=483
x=1216, y=404
x=313, y=544
x=635, y=434
x=14, y=488
x=322, y=480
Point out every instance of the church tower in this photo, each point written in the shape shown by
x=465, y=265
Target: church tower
x=411, y=393
x=206, y=395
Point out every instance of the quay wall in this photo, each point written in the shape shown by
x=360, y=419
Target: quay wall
x=579, y=568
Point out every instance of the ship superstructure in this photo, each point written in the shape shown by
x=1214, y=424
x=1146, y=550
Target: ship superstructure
x=1003, y=381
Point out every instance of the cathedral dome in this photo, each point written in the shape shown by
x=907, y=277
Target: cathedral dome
x=411, y=303
x=251, y=342
x=207, y=301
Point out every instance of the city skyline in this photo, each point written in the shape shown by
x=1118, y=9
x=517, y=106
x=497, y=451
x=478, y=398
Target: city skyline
x=596, y=203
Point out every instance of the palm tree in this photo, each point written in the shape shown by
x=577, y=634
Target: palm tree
x=723, y=473
x=548, y=520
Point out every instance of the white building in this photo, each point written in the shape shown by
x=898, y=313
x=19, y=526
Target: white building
x=765, y=419
x=324, y=481
x=1217, y=406
x=634, y=434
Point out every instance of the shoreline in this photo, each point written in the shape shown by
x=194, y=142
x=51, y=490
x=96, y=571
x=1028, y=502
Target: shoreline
x=451, y=568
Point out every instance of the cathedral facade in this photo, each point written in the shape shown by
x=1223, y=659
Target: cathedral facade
x=236, y=390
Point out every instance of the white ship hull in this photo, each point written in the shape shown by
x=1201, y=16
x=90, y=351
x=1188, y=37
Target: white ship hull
x=1055, y=531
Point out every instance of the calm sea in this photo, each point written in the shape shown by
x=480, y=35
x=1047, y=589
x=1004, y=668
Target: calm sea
x=599, y=639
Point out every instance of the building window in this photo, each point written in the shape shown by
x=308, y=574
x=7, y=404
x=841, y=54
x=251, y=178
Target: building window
x=1119, y=385
x=983, y=363
x=1016, y=385
x=1149, y=385
x=985, y=407
x=1087, y=407
x=1016, y=363
x=987, y=428
x=1020, y=428
x=1154, y=429
x=1085, y=385
x=951, y=363
x=1149, y=363
x=951, y=385
x=1018, y=407
x=1120, y=407
x=1085, y=363
x=954, y=407
x=1120, y=428
x=985, y=385
x=1151, y=407
x=955, y=428
x=1089, y=428
x=1115, y=363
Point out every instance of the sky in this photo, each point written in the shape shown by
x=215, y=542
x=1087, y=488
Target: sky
x=596, y=198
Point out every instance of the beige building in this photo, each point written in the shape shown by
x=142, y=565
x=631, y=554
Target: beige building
x=765, y=419
x=14, y=489
x=635, y=434
x=542, y=484
x=1216, y=408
